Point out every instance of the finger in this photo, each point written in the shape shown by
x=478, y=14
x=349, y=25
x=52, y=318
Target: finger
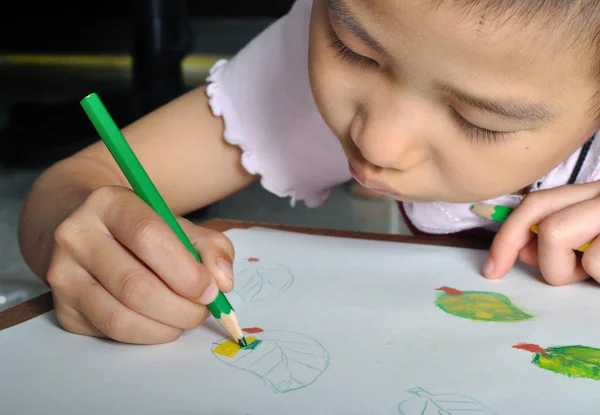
x=148, y=236
x=216, y=250
x=120, y=323
x=134, y=285
x=590, y=261
x=515, y=233
x=560, y=234
x=529, y=254
x=559, y=264
x=63, y=273
x=73, y=321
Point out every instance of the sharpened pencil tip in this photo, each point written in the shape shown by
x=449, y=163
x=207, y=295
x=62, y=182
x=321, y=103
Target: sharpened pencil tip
x=242, y=342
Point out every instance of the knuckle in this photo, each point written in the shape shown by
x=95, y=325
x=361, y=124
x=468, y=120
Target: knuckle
x=66, y=320
x=145, y=228
x=221, y=240
x=104, y=195
x=116, y=325
x=67, y=232
x=195, y=282
x=533, y=199
x=56, y=278
x=108, y=199
x=135, y=289
x=551, y=230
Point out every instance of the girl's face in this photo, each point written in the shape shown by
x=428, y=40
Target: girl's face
x=430, y=104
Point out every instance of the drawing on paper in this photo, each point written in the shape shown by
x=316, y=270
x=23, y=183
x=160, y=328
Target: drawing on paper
x=571, y=361
x=257, y=280
x=426, y=403
x=284, y=360
x=479, y=305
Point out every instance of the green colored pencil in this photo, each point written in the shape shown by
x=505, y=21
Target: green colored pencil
x=114, y=140
x=497, y=213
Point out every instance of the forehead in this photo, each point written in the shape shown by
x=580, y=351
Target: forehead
x=494, y=34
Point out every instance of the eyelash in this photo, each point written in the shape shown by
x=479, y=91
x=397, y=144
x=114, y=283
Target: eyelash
x=473, y=132
x=476, y=133
x=346, y=54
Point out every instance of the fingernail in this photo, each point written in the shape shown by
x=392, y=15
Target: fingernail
x=488, y=268
x=209, y=294
x=225, y=267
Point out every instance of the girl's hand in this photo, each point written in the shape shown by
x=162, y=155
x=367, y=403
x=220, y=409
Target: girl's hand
x=568, y=217
x=119, y=271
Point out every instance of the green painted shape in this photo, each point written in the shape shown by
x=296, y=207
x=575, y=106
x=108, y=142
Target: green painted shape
x=253, y=345
x=481, y=306
x=571, y=361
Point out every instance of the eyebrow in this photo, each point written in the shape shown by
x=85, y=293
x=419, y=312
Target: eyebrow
x=509, y=108
x=340, y=12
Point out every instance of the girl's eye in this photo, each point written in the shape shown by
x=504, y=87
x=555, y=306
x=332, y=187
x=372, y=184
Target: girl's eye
x=346, y=54
x=476, y=133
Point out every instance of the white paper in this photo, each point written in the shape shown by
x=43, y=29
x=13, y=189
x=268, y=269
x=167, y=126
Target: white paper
x=356, y=323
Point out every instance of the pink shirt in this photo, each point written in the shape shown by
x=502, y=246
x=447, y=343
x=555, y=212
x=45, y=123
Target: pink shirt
x=264, y=97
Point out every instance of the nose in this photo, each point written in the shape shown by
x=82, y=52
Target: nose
x=390, y=137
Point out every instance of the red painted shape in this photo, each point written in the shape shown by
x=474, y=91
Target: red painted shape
x=533, y=348
x=253, y=260
x=251, y=330
x=450, y=291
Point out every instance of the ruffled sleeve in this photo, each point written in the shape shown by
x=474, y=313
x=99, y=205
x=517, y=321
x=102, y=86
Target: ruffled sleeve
x=264, y=97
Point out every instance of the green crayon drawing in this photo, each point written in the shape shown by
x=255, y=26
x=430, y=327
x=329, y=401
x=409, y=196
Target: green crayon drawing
x=284, y=360
x=257, y=280
x=426, y=403
x=480, y=306
x=571, y=361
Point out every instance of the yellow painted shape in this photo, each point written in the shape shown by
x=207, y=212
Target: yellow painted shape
x=230, y=348
x=482, y=306
x=484, y=315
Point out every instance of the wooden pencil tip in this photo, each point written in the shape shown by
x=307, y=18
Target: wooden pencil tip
x=243, y=342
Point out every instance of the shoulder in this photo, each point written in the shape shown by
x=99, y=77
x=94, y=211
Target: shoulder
x=263, y=95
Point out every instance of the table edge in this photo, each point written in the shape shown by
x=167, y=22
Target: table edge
x=44, y=303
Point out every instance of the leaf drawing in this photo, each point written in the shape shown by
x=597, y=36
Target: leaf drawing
x=426, y=403
x=479, y=305
x=284, y=360
x=258, y=280
x=571, y=361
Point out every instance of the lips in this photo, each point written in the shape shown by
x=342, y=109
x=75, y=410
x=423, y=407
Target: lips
x=360, y=178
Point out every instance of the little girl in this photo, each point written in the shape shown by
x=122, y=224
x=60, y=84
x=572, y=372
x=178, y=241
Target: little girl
x=436, y=103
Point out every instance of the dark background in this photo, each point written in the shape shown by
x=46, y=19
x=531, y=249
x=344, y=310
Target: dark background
x=42, y=120
x=41, y=26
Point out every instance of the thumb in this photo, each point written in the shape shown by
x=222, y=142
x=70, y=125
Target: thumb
x=216, y=252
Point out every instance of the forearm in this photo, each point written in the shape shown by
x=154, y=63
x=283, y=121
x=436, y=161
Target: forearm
x=53, y=197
